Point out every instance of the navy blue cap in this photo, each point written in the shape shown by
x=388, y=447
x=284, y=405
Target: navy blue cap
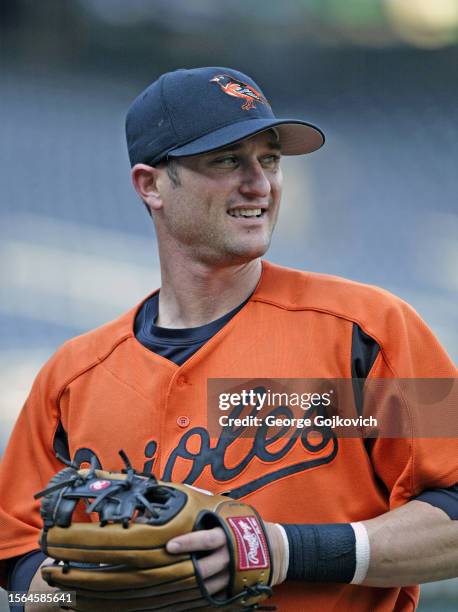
x=187, y=112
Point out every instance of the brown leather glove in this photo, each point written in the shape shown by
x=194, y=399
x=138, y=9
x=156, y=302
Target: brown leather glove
x=119, y=563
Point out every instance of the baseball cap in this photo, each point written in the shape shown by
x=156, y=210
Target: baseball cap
x=188, y=112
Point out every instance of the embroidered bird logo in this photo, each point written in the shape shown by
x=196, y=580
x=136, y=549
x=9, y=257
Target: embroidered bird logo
x=238, y=89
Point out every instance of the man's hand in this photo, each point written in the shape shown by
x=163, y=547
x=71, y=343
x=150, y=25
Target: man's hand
x=214, y=567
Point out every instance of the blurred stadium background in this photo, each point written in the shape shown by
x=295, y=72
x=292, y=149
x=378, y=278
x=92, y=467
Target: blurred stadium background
x=377, y=204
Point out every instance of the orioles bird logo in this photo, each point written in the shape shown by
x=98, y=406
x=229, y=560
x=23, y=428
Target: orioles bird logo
x=235, y=88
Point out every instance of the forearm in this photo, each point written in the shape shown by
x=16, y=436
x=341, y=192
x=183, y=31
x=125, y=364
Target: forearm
x=39, y=585
x=410, y=545
x=413, y=544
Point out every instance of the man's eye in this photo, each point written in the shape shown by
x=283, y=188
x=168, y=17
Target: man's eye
x=271, y=161
x=226, y=162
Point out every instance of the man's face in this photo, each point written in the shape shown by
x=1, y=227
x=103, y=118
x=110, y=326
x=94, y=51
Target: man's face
x=225, y=206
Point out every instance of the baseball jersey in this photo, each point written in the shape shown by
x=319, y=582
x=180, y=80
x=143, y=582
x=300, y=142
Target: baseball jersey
x=104, y=391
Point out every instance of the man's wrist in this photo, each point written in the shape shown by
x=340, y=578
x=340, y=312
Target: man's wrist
x=362, y=547
x=337, y=552
x=279, y=552
x=284, y=561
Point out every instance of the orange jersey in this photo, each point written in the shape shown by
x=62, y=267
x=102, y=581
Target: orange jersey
x=104, y=391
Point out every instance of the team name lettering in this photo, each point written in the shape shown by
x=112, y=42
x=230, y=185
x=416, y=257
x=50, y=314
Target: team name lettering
x=324, y=446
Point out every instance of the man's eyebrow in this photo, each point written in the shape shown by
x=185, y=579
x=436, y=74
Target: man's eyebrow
x=236, y=146
x=275, y=146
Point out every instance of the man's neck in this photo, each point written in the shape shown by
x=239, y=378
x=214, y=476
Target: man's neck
x=196, y=294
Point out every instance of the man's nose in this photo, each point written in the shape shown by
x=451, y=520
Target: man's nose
x=255, y=183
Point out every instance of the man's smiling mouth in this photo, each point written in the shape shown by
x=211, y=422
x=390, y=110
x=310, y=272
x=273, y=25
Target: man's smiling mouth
x=246, y=212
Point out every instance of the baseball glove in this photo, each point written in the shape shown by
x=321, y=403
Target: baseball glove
x=119, y=562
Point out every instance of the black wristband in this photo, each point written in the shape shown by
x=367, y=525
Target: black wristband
x=321, y=553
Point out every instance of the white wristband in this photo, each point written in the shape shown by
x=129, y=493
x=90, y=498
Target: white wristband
x=283, y=570
x=363, y=553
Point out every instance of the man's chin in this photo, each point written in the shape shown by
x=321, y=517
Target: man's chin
x=246, y=253
x=234, y=253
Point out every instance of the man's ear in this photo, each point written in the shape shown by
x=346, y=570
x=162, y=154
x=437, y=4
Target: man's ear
x=145, y=182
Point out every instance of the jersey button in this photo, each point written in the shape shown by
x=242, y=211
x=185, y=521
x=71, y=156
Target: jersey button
x=183, y=421
x=182, y=381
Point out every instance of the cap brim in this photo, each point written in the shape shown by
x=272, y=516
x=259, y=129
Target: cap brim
x=296, y=137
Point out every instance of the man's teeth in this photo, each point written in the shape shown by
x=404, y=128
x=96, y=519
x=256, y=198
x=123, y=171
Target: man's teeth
x=246, y=212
